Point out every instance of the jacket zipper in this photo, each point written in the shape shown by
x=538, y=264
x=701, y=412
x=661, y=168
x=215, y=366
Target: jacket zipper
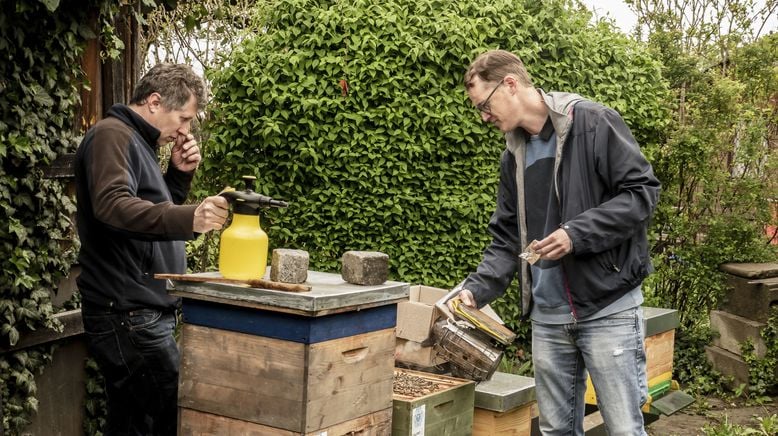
x=573, y=312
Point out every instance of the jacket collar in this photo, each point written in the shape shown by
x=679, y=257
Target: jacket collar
x=560, y=113
x=128, y=116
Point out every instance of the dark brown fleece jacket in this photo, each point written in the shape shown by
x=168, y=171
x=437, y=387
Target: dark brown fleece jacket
x=131, y=219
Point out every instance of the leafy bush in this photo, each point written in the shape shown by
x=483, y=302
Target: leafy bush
x=763, y=372
x=718, y=167
x=40, y=80
x=356, y=114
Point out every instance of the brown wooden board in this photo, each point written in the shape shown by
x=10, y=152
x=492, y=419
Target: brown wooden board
x=659, y=354
x=242, y=376
x=284, y=384
x=193, y=422
x=253, y=283
x=446, y=411
x=516, y=422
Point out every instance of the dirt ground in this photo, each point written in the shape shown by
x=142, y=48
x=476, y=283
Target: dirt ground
x=712, y=412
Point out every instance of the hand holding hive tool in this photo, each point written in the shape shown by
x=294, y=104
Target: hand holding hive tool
x=482, y=322
x=243, y=246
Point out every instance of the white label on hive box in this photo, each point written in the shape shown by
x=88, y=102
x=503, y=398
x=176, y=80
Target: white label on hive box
x=417, y=421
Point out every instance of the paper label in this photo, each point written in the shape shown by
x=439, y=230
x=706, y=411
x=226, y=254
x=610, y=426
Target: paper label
x=417, y=421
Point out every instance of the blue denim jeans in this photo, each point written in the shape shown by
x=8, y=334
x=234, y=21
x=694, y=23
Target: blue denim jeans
x=611, y=349
x=138, y=357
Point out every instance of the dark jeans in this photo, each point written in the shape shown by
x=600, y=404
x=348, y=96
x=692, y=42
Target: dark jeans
x=139, y=358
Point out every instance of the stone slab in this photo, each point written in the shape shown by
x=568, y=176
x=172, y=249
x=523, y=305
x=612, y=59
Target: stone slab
x=729, y=364
x=735, y=330
x=751, y=270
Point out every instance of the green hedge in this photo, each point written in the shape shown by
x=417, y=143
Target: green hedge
x=355, y=113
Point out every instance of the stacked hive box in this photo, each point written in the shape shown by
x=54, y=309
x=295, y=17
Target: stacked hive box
x=504, y=405
x=446, y=409
x=659, y=331
x=257, y=361
x=752, y=291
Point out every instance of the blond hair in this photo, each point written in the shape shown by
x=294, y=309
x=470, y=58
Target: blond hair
x=493, y=65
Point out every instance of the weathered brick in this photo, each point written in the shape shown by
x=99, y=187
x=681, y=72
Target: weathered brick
x=365, y=267
x=735, y=330
x=289, y=266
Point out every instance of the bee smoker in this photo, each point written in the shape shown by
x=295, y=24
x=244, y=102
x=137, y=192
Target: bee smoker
x=469, y=350
x=469, y=339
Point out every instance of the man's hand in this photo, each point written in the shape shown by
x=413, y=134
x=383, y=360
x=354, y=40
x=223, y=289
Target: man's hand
x=211, y=214
x=185, y=154
x=465, y=296
x=554, y=246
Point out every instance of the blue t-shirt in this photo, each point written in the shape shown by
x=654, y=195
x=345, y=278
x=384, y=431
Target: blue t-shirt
x=551, y=302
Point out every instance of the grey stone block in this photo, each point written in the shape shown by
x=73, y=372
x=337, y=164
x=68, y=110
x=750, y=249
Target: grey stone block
x=289, y=266
x=729, y=364
x=735, y=330
x=750, y=298
x=365, y=267
x=751, y=270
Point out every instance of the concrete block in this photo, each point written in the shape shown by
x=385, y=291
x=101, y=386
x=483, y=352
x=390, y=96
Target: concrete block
x=751, y=270
x=735, y=330
x=289, y=266
x=729, y=364
x=750, y=298
x=365, y=267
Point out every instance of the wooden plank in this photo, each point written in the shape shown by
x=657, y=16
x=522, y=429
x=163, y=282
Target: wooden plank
x=516, y=422
x=253, y=283
x=659, y=353
x=196, y=423
x=242, y=376
x=72, y=326
x=349, y=377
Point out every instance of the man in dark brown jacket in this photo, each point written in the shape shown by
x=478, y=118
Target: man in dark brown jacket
x=132, y=223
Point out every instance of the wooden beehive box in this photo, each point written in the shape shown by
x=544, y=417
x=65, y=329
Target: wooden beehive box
x=504, y=405
x=201, y=423
x=257, y=361
x=659, y=337
x=438, y=404
x=283, y=384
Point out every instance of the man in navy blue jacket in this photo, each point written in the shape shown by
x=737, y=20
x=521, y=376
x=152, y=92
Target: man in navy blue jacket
x=132, y=223
x=575, y=188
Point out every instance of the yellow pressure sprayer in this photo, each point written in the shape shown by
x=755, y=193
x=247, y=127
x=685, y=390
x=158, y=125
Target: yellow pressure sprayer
x=243, y=246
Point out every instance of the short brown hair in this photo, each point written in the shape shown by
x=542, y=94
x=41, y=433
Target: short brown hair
x=494, y=65
x=175, y=83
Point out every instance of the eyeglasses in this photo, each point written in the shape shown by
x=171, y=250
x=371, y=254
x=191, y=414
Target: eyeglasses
x=484, y=105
